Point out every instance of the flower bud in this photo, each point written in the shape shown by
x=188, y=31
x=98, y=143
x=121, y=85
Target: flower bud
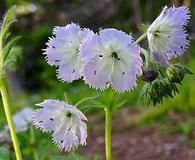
x=175, y=74
x=149, y=74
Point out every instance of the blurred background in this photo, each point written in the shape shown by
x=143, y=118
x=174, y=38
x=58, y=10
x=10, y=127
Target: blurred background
x=163, y=132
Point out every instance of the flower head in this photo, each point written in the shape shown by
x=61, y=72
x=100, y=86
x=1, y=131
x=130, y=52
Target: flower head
x=66, y=121
x=63, y=50
x=111, y=57
x=166, y=35
x=23, y=119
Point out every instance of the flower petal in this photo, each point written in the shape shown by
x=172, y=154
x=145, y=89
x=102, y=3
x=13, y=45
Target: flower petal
x=125, y=71
x=66, y=121
x=63, y=50
x=65, y=139
x=166, y=35
x=71, y=70
x=48, y=117
x=22, y=119
x=97, y=73
x=107, y=56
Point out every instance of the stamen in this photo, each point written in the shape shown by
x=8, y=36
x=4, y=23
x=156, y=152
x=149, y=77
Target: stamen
x=115, y=55
x=100, y=55
x=57, y=60
x=40, y=121
x=53, y=47
x=156, y=33
x=107, y=82
x=69, y=114
x=94, y=72
x=62, y=141
x=123, y=72
x=73, y=70
x=181, y=47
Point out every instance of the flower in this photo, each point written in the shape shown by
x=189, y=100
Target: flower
x=166, y=36
x=4, y=134
x=63, y=50
x=23, y=119
x=66, y=121
x=111, y=57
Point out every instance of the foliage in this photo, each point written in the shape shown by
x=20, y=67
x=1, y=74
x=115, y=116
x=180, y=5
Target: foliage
x=7, y=44
x=4, y=153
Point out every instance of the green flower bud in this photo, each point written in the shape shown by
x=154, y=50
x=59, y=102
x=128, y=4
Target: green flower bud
x=149, y=74
x=175, y=73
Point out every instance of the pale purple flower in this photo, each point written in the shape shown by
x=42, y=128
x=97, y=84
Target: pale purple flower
x=4, y=134
x=111, y=57
x=23, y=119
x=167, y=36
x=66, y=121
x=63, y=50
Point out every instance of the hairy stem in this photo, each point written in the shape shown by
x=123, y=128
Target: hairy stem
x=108, y=127
x=140, y=38
x=6, y=104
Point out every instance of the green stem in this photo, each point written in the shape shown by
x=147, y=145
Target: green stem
x=32, y=135
x=140, y=38
x=35, y=154
x=6, y=104
x=108, y=125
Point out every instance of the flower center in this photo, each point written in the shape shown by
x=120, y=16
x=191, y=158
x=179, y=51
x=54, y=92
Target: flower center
x=156, y=33
x=69, y=114
x=115, y=55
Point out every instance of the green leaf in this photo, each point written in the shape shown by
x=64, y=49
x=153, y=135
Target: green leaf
x=10, y=14
x=88, y=104
x=5, y=30
x=154, y=92
x=4, y=154
x=10, y=45
x=14, y=55
x=119, y=104
x=187, y=71
x=145, y=27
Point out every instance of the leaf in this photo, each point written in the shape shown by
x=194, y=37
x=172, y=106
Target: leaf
x=10, y=45
x=8, y=20
x=4, y=154
x=187, y=71
x=184, y=68
x=119, y=104
x=154, y=92
x=5, y=45
x=88, y=104
x=145, y=27
x=5, y=30
x=9, y=15
x=14, y=55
